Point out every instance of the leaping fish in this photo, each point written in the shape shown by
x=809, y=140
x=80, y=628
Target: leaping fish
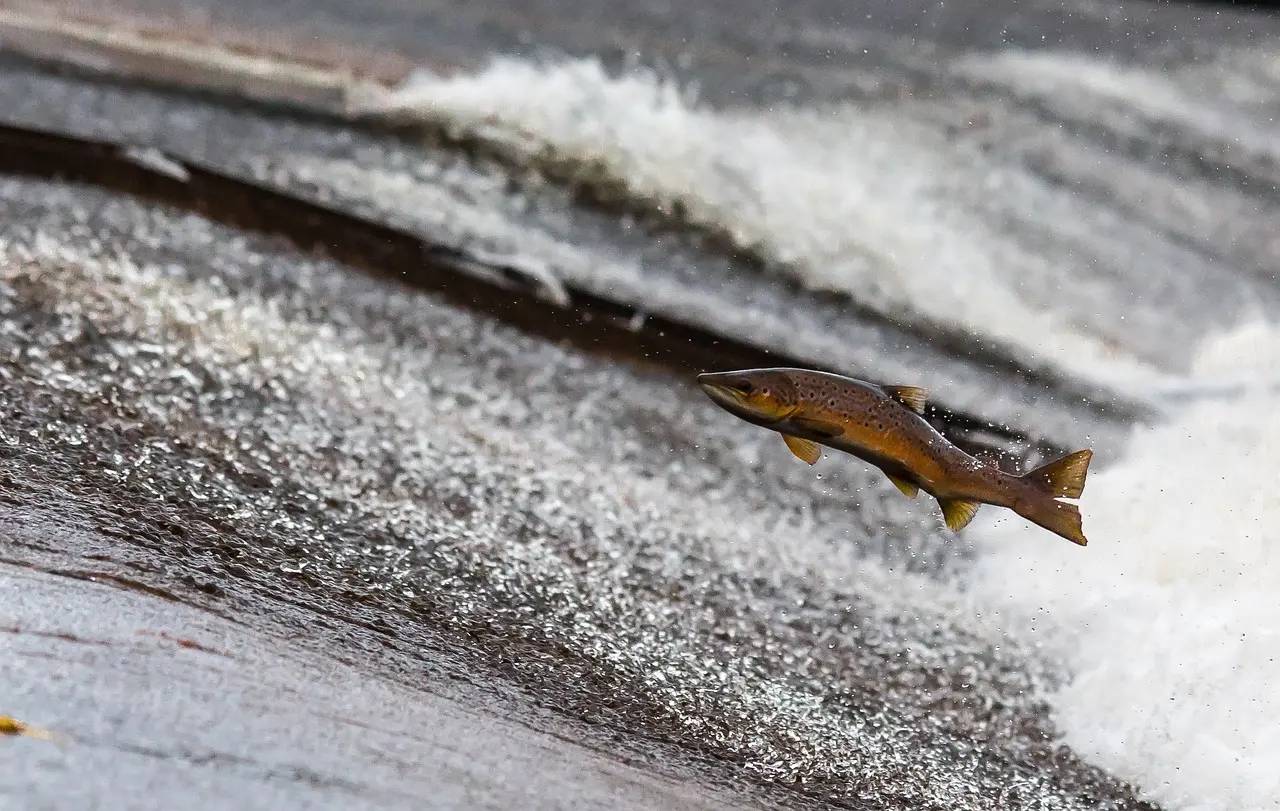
x=883, y=425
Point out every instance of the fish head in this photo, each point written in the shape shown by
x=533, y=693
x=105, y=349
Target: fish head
x=762, y=396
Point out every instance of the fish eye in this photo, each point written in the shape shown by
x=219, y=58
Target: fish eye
x=745, y=386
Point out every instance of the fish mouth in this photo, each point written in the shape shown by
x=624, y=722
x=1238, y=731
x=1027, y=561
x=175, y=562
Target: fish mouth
x=720, y=393
x=734, y=401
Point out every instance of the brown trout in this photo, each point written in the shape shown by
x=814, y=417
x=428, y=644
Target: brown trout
x=883, y=425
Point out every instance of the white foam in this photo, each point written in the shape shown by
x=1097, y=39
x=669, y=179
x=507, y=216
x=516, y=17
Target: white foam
x=1169, y=621
x=843, y=199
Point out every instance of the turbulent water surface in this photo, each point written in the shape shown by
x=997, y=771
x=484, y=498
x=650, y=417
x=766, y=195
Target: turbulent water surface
x=1043, y=236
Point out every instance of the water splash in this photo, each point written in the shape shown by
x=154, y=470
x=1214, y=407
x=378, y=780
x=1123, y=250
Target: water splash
x=1169, y=619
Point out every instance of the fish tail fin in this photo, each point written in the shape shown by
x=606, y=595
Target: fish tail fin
x=1064, y=477
x=1059, y=517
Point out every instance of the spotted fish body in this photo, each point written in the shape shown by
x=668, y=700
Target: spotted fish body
x=884, y=426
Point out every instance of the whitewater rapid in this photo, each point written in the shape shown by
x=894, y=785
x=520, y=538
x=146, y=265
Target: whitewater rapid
x=869, y=204
x=1167, y=626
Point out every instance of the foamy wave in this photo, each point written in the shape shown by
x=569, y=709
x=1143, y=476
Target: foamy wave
x=1169, y=621
x=842, y=199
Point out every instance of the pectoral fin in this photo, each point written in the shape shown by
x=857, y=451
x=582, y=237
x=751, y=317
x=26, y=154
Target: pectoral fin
x=819, y=427
x=908, y=489
x=912, y=397
x=958, y=513
x=806, y=450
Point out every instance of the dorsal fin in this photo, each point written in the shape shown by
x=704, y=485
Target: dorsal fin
x=913, y=397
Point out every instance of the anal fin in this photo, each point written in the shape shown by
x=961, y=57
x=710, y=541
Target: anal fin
x=958, y=513
x=806, y=450
x=908, y=489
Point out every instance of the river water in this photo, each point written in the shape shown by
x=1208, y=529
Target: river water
x=1091, y=235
